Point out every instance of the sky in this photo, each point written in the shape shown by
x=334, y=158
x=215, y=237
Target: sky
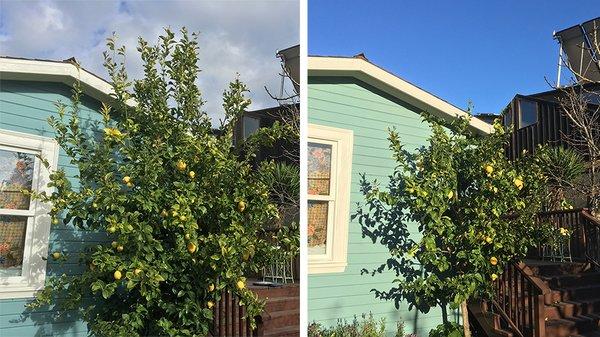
x=467, y=50
x=235, y=37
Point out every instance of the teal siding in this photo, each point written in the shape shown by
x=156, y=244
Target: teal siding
x=25, y=107
x=350, y=104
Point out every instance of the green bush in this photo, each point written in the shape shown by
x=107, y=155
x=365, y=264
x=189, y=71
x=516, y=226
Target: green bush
x=367, y=327
x=184, y=212
x=448, y=329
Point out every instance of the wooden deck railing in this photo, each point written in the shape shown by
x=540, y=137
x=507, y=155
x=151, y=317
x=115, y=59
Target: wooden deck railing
x=229, y=318
x=584, y=239
x=519, y=299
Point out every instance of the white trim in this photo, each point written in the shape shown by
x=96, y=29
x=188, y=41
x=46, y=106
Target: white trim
x=38, y=225
x=335, y=261
x=57, y=71
x=391, y=84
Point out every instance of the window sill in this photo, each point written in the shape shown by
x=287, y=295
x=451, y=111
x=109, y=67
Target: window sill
x=325, y=267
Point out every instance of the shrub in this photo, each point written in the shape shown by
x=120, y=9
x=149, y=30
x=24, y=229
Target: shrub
x=367, y=327
x=183, y=213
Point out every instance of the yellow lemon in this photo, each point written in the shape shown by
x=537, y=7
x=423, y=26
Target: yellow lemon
x=450, y=194
x=112, y=229
x=488, y=239
x=493, y=261
x=120, y=248
x=126, y=179
x=489, y=169
x=210, y=304
x=564, y=231
x=211, y=287
x=192, y=174
x=181, y=165
x=191, y=247
x=241, y=206
x=241, y=284
x=494, y=277
x=518, y=182
x=129, y=184
x=187, y=236
x=56, y=255
x=117, y=275
x=137, y=271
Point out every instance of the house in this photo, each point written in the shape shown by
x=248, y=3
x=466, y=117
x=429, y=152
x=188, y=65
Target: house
x=351, y=105
x=287, y=110
x=28, y=92
x=537, y=119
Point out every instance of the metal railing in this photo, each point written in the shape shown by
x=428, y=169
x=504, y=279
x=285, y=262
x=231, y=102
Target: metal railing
x=583, y=243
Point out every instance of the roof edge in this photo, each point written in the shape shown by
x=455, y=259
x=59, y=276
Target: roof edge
x=390, y=83
x=64, y=72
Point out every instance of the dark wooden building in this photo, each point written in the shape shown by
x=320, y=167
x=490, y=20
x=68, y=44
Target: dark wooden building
x=537, y=119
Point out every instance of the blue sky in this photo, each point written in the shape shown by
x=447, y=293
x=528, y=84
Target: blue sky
x=483, y=51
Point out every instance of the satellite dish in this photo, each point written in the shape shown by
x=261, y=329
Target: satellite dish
x=581, y=44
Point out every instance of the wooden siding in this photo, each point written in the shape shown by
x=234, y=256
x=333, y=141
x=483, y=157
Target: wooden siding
x=551, y=127
x=25, y=107
x=350, y=104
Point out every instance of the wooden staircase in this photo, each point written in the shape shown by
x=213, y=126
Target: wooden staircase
x=570, y=304
x=541, y=298
x=282, y=311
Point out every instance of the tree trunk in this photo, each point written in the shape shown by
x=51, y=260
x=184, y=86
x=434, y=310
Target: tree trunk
x=444, y=313
x=465, y=319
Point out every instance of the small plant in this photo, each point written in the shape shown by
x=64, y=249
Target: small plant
x=448, y=329
x=563, y=168
x=367, y=327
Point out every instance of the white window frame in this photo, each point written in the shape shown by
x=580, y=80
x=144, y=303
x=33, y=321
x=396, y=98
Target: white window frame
x=33, y=273
x=338, y=217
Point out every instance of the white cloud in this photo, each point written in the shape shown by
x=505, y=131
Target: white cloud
x=235, y=36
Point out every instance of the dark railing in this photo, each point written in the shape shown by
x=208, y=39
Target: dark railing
x=229, y=318
x=519, y=299
x=584, y=234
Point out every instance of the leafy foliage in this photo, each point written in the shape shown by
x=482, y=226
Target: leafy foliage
x=182, y=212
x=564, y=168
x=366, y=327
x=473, y=209
x=447, y=329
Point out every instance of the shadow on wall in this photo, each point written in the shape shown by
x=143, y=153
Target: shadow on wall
x=389, y=225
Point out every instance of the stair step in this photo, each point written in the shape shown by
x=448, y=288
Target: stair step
x=573, y=293
x=547, y=268
x=282, y=304
x=572, y=280
x=286, y=331
x=281, y=319
x=567, y=327
x=573, y=308
x=287, y=290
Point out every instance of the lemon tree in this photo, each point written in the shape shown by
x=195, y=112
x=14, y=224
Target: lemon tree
x=473, y=210
x=182, y=211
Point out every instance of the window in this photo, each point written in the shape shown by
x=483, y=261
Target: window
x=527, y=113
x=329, y=161
x=508, y=118
x=24, y=223
x=251, y=124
